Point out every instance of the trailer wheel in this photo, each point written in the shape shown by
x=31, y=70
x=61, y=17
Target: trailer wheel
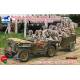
x=72, y=46
x=51, y=51
x=23, y=56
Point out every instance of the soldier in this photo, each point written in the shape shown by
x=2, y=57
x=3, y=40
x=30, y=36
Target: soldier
x=53, y=33
x=51, y=26
x=45, y=34
x=39, y=40
x=30, y=35
x=36, y=36
x=71, y=28
x=58, y=25
x=40, y=35
x=63, y=33
x=59, y=34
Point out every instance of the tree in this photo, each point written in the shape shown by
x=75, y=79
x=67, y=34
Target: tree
x=75, y=18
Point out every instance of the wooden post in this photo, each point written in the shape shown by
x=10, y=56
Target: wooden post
x=46, y=24
x=16, y=27
x=9, y=28
x=25, y=28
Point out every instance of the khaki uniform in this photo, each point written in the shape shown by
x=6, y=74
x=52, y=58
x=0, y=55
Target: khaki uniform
x=30, y=35
x=54, y=34
x=35, y=37
x=64, y=34
x=45, y=33
x=40, y=35
x=72, y=27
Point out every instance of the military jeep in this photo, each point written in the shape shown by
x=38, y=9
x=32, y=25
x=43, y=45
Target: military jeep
x=23, y=48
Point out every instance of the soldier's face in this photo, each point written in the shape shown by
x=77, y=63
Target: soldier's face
x=29, y=33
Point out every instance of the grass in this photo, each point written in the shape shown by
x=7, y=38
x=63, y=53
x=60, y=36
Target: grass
x=4, y=37
x=77, y=31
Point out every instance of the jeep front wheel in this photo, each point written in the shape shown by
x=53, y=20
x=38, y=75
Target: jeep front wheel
x=23, y=56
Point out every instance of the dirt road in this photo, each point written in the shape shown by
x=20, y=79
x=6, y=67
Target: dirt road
x=60, y=58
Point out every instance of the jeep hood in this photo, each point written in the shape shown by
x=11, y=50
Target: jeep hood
x=16, y=40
